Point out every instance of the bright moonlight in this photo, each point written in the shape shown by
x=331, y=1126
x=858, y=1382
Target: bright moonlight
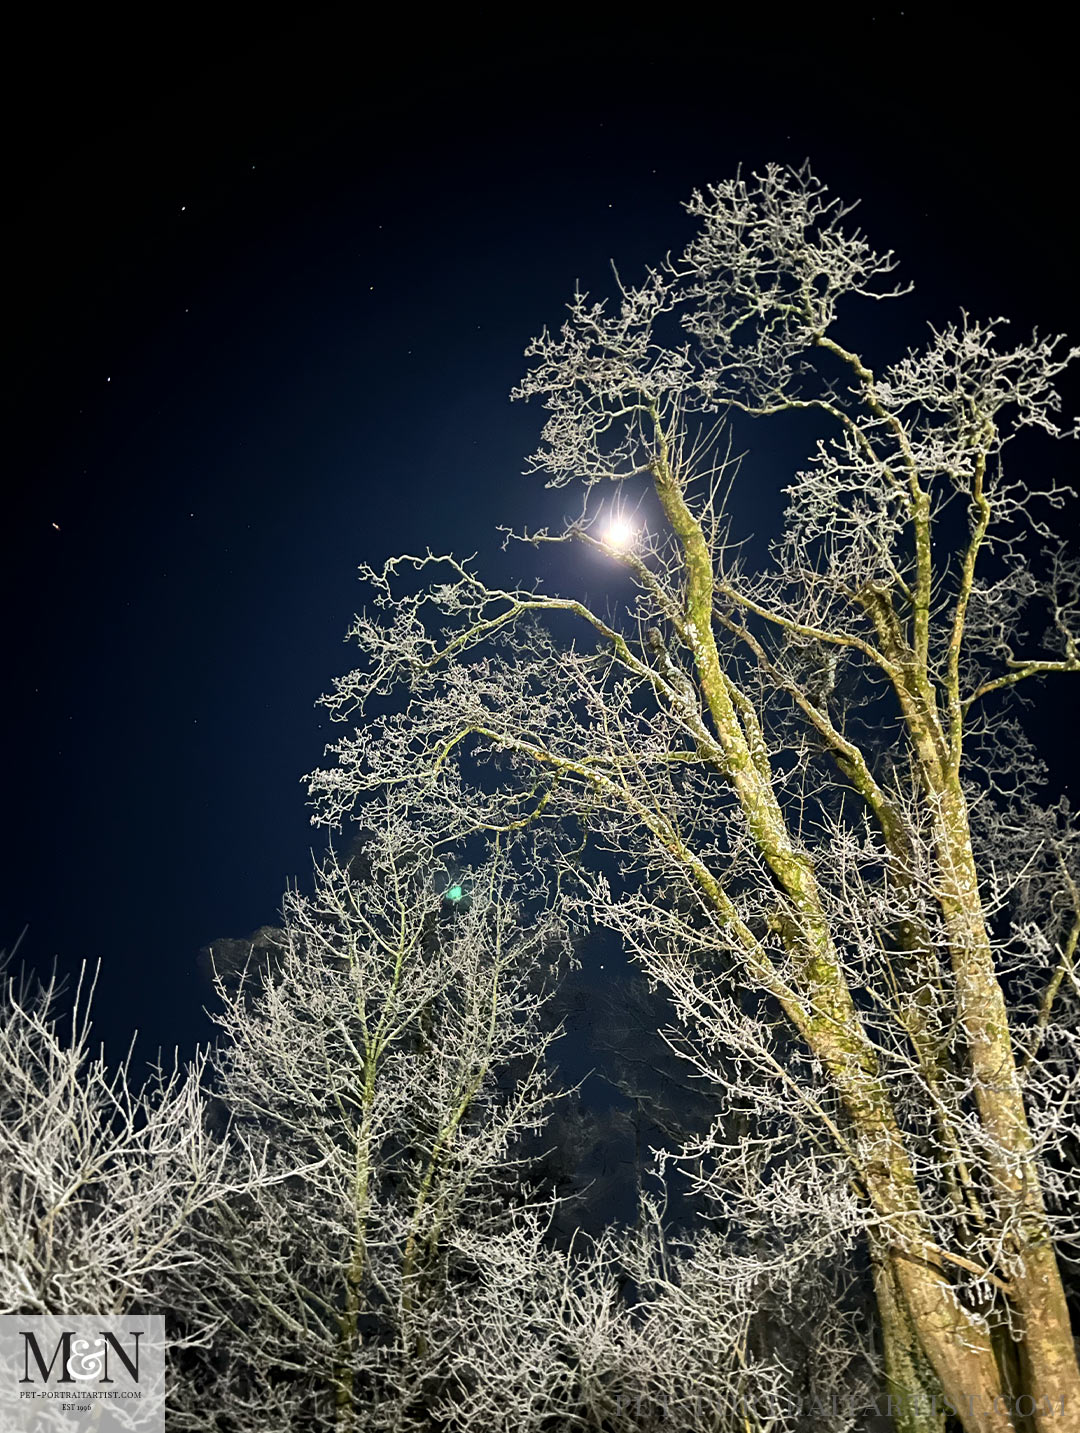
x=619, y=533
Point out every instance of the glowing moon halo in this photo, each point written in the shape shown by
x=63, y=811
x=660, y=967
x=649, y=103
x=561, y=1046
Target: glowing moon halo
x=619, y=533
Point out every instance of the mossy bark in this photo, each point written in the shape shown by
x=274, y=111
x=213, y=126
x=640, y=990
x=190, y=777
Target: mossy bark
x=912, y=1388
x=918, y=1296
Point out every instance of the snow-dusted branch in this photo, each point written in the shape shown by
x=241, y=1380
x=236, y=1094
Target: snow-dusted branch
x=99, y=1173
x=779, y=787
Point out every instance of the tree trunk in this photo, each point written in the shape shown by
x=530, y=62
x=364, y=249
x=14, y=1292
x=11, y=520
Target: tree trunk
x=912, y=1388
x=1038, y=1297
x=960, y=1354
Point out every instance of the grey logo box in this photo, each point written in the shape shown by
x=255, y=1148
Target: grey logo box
x=92, y=1372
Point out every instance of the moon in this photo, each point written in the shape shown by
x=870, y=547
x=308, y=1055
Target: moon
x=619, y=533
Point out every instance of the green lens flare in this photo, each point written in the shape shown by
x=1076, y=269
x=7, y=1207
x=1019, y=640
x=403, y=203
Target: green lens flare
x=454, y=893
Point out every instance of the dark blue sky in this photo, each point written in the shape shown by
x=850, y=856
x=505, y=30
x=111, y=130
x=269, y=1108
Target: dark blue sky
x=271, y=293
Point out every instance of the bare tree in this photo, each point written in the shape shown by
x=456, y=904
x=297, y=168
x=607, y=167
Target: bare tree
x=861, y=915
x=351, y=1249
x=389, y=1064
x=99, y=1174
x=643, y=1332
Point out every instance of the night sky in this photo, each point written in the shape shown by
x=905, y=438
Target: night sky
x=269, y=296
